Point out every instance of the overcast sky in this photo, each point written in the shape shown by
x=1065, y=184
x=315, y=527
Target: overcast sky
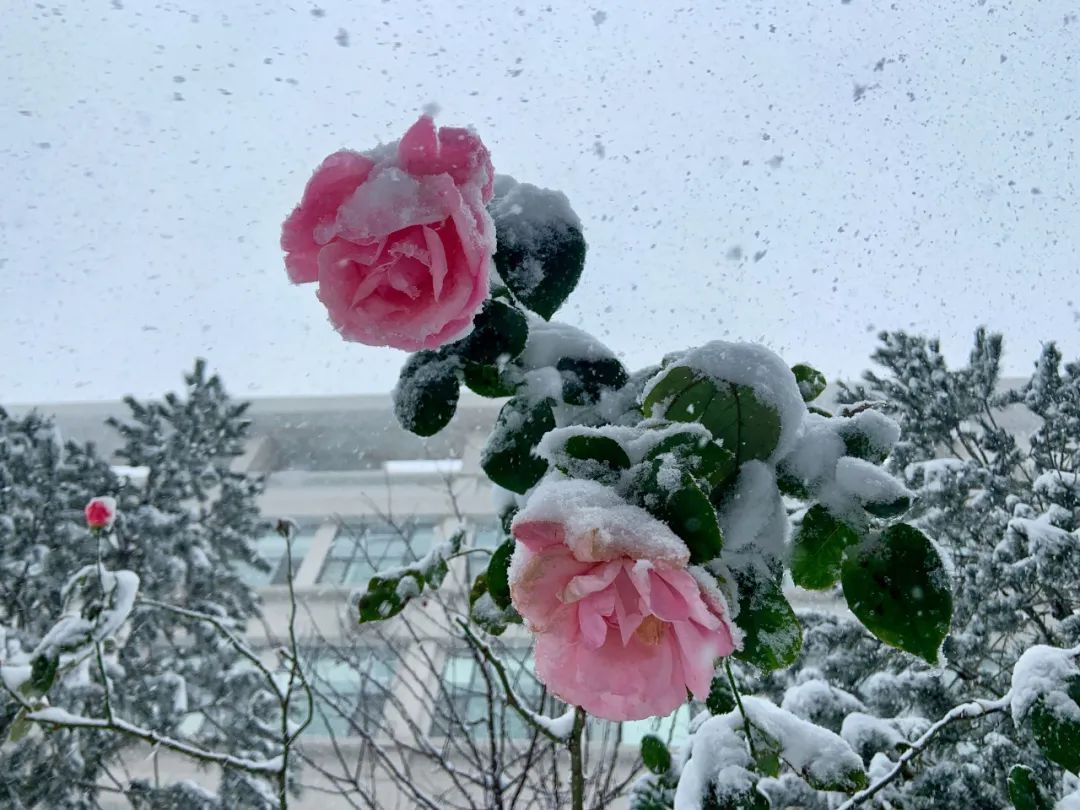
x=803, y=174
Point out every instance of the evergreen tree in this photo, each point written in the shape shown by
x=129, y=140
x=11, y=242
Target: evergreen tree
x=182, y=528
x=1004, y=509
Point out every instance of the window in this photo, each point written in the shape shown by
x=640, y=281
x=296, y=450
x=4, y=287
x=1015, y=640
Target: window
x=484, y=535
x=676, y=726
x=271, y=549
x=350, y=690
x=465, y=702
x=360, y=551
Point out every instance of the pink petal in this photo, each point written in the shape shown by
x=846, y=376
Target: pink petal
x=538, y=535
x=536, y=582
x=337, y=177
x=437, y=262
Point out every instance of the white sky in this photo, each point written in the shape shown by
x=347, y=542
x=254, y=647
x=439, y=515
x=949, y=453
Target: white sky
x=798, y=173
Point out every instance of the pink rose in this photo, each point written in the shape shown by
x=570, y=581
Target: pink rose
x=623, y=628
x=100, y=513
x=398, y=238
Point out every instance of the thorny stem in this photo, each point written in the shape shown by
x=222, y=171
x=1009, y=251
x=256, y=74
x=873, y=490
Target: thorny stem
x=577, y=771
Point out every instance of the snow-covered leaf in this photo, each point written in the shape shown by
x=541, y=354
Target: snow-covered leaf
x=673, y=496
x=508, y=457
x=817, y=549
x=1024, y=791
x=739, y=420
x=499, y=333
x=584, y=379
x=811, y=381
x=427, y=391
x=540, y=250
x=897, y=586
x=773, y=635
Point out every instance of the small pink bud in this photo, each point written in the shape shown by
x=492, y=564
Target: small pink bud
x=100, y=512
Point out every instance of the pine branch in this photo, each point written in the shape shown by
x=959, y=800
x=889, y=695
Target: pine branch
x=965, y=711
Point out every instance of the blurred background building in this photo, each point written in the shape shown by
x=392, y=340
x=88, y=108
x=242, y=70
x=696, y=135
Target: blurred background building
x=367, y=496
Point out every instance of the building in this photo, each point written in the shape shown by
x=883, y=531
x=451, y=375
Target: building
x=367, y=496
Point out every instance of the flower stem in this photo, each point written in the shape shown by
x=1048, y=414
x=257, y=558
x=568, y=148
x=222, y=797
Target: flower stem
x=577, y=771
x=742, y=711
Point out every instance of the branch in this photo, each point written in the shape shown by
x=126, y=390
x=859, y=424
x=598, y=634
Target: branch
x=554, y=728
x=59, y=717
x=221, y=627
x=965, y=711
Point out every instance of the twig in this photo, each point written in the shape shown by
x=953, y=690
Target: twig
x=512, y=700
x=965, y=711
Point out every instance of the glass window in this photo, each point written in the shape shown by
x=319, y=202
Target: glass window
x=486, y=534
x=676, y=726
x=361, y=550
x=350, y=689
x=465, y=700
x=271, y=549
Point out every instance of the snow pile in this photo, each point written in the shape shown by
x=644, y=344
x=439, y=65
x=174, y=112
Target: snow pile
x=868, y=483
x=73, y=630
x=752, y=516
x=1044, y=673
x=720, y=763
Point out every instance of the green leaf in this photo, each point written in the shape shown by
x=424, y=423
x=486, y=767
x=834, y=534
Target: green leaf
x=685, y=509
x=767, y=760
x=499, y=333
x=508, y=457
x=498, y=572
x=655, y=755
x=586, y=447
x=387, y=596
x=811, y=381
x=818, y=548
x=773, y=635
x=704, y=459
x=485, y=613
x=896, y=585
x=1024, y=791
x=1056, y=732
x=721, y=699
x=540, y=256
x=727, y=797
x=888, y=509
x=487, y=381
x=791, y=485
x=426, y=395
x=43, y=669
x=20, y=726
x=741, y=422
x=585, y=379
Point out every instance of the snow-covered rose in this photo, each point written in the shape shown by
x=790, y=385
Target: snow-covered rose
x=100, y=512
x=398, y=238
x=623, y=627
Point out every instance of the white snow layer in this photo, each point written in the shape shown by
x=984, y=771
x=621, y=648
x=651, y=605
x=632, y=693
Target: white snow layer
x=614, y=528
x=752, y=517
x=1044, y=672
x=757, y=368
x=719, y=755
